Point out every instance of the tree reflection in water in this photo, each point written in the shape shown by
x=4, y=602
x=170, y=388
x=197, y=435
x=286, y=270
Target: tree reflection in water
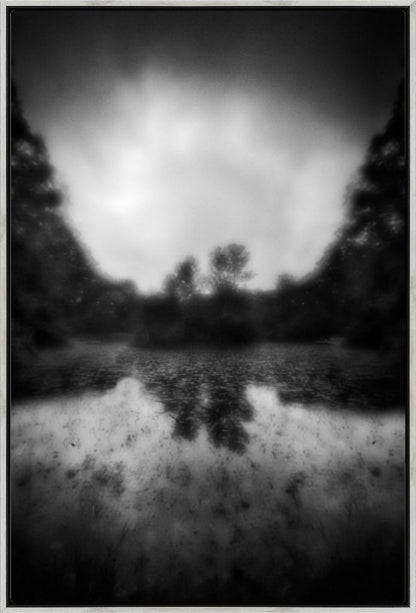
x=226, y=410
x=206, y=388
x=198, y=397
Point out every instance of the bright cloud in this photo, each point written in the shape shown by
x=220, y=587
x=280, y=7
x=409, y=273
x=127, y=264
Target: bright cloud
x=172, y=166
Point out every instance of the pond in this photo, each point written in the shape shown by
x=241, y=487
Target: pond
x=263, y=475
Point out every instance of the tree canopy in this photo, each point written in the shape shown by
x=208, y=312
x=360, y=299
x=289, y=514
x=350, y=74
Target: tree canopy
x=56, y=292
x=184, y=282
x=358, y=290
x=228, y=267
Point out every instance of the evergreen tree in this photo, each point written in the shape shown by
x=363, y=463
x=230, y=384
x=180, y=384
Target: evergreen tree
x=358, y=290
x=56, y=292
x=373, y=244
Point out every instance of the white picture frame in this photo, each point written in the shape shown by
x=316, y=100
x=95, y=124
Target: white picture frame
x=6, y=5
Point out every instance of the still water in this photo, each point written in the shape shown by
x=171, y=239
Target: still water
x=270, y=475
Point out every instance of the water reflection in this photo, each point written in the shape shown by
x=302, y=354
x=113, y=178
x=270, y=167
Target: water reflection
x=186, y=381
x=207, y=388
x=226, y=411
x=281, y=494
x=111, y=507
x=201, y=397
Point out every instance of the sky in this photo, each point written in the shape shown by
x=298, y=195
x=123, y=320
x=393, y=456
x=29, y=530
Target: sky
x=173, y=131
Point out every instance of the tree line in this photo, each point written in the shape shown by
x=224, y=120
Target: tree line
x=56, y=291
x=357, y=292
x=201, y=308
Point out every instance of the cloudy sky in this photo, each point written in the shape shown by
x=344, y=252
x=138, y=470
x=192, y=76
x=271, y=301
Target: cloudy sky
x=177, y=130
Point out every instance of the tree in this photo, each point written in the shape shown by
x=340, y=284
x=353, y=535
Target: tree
x=373, y=244
x=228, y=267
x=183, y=283
x=56, y=291
x=231, y=320
x=378, y=204
x=358, y=290
x=35, y=227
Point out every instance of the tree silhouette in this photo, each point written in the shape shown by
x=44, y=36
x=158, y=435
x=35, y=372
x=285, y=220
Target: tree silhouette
x=358, y=290
x=183, y=283
x=36, y=234
x=372, y=245
x=228, y=267
x=56, y=292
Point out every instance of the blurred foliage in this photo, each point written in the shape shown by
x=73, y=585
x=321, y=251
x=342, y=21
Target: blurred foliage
x=228, y=267
x=56, y=292
x=184, y=282
x=204, y=310
x=359, y=289
x=357, y=293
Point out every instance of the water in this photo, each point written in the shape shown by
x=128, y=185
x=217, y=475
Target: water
x=260, y=475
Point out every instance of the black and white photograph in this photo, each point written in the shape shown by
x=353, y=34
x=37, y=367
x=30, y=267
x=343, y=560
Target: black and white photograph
x=208, y=305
